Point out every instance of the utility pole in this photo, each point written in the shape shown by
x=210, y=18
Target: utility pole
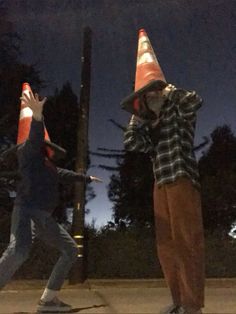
x=79, y=272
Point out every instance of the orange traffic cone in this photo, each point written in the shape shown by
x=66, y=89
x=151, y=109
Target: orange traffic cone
x=24, y=127
x=26, y=118
x=147, y=67
x=52, y=149
x=149, y=75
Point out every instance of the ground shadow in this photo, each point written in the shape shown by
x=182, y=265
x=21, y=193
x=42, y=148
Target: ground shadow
x=74, y=310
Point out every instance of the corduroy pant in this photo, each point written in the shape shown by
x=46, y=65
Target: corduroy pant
x=180, y=241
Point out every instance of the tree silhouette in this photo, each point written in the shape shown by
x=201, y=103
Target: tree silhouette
x=12, y=74
x=61, y=119
x=131, y=190
x=218, y=179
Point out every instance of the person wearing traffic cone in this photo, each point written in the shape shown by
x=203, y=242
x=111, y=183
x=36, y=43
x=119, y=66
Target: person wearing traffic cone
x=25, y=122
x=37, y=197
x=163, y=124
x=53, y=150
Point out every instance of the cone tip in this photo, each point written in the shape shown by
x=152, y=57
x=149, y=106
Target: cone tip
x=142, y=31
x=26, y=86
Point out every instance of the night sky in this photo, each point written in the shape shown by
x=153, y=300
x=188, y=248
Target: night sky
x=195, y=43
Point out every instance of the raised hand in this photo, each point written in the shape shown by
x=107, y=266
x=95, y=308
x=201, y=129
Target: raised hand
x=34, y=104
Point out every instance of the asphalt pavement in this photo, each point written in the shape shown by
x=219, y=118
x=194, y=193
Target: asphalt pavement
x=115, y=296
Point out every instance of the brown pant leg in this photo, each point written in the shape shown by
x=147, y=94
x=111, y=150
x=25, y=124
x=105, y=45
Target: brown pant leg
x=165, y=242
x=187, y=229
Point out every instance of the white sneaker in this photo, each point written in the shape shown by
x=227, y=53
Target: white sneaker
x=54, y=306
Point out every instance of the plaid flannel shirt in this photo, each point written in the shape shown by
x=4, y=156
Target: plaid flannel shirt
x=170, y=144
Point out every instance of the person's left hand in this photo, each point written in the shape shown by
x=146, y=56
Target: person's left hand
x=95, y=179
x=33, y=102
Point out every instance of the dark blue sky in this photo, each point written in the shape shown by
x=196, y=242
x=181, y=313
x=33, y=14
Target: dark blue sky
x=194, y=41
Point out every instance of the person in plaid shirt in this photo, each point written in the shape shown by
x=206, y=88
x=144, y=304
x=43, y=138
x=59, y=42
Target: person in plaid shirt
x=164, y=128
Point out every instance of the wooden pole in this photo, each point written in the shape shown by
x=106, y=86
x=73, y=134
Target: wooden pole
x=79, y=270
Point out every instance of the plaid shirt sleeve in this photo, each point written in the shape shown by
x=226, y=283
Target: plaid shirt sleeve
x=187, y=102
x=137, y=139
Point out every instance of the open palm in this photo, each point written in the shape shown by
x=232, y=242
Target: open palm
x=33, y=102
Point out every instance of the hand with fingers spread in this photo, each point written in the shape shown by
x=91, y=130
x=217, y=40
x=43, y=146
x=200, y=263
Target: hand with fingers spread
x=33, y=102
x=95, y=179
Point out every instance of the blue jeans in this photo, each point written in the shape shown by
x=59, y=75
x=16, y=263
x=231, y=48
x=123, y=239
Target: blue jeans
x=25, y=226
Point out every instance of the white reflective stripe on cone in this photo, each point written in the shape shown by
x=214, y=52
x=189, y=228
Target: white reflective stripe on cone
x=26, y=113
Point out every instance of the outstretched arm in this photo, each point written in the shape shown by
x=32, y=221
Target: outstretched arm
x=69, y=176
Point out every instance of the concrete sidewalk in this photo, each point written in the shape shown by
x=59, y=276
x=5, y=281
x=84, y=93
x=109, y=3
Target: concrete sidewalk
x=115, y=296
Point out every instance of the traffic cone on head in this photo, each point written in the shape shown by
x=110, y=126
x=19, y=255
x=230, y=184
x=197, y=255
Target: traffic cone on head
x=149, y=75
x=26, y=118
x=25, y=124
x=147, y=68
